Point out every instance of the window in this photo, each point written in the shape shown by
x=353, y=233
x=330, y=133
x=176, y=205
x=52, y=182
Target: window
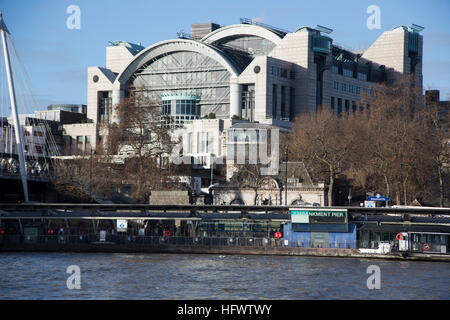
x=336, y=85
x=339, y=108
x=274, y=101
x=353, y=106
x=332, y=104
x=275, y=70
x=344, y=87
x=166, y=106
x=80, y=140
x=283, y=73
x=362, y=76
x=335, y=69
x=88, y=143
x=292, y=74
x=358, y=91
x=291, y=104
x=347, y=72
x=347, y=106
x=104, y=105
x=283, y=102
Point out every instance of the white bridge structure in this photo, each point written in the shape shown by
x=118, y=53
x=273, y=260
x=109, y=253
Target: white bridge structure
x=26, y=144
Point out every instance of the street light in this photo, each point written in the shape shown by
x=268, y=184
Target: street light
x=285, y=186
x=211, y=163
x=350, y=197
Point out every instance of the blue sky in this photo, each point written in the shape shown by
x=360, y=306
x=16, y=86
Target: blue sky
x=56, y=58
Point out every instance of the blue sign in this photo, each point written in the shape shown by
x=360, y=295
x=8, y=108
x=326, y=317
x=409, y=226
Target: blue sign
x=378, y=198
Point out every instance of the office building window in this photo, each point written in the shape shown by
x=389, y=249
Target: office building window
x=104, y=105
x=332, y=104
x=335, y=85
x=339, y=107
x=335, y=69
x=362, y=76
x=344, y=87
x=80, y=140
x=347, y=72
x=274, y=101
x=275, y=70
x=347, y=106
x=283, y=102
x=248, y=102
x=88, y=143
x=291, y=104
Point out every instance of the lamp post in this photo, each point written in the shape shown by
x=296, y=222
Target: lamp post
x=286, y=178
x=211, y=163
x=350, y=197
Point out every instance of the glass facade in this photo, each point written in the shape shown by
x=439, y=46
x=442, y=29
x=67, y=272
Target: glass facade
x=248, y=102
x=185, y=73
x=104, y=105
x=177, y=110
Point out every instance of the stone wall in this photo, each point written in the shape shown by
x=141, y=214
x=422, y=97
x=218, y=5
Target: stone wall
x=162, y=197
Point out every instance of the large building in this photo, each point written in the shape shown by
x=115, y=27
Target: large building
x=247, y=72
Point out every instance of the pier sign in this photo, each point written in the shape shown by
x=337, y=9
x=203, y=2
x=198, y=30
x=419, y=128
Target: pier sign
x=338, y=216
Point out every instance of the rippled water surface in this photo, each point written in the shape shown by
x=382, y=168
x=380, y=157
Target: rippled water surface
x=176, y=276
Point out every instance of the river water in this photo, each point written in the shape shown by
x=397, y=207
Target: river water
x=179, y=276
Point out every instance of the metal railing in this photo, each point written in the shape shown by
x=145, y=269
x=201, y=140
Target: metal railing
x=230, y=241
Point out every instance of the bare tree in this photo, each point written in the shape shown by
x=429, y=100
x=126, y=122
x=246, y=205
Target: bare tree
x=324, y=143
x=248, y=176
x=435, y=135
x=143, y=143
x=85, y=177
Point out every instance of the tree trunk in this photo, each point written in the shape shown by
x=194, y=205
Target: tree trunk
x=330, y=188
x=388, y=191
x=405, y=193
x=256, y=197
x=441, y=187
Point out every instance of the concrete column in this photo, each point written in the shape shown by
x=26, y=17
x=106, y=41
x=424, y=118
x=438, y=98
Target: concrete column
x=235, y=99
x=117, y=96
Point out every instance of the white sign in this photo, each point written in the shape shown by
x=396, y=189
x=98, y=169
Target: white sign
x=122, y=225
x=102, y=235
x=369, y=204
